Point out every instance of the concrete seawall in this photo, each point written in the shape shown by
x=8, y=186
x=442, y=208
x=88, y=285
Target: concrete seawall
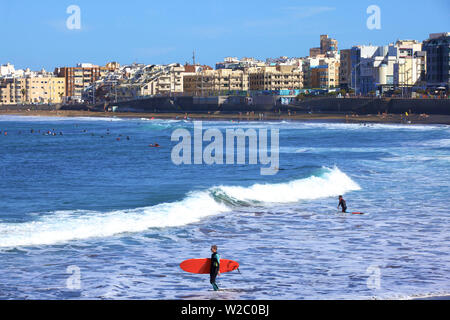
x=269, y=104
x=188, y=104
x=361, y=106
x=30, y=107
x=44, y=107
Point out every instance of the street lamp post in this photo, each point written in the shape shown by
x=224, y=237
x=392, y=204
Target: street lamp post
x=93, y=95
x=354, y=70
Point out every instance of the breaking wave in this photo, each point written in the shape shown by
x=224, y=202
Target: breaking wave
x=332, y=182
x=63, y=226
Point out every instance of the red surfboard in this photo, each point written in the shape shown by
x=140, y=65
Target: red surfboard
x=361, y=213
x=203, y=266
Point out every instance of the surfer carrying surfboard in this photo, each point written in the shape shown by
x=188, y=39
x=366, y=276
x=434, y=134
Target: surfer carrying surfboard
x=343, y=204
x=215, y=267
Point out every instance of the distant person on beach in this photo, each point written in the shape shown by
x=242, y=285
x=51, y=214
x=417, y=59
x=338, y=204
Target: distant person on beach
x=215, y=267
x=343, y=204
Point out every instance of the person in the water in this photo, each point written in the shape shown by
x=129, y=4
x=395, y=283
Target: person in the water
x=343, y=204
x=215, y=267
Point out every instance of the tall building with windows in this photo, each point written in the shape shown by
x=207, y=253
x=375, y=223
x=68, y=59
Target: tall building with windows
x=380, y=69
x=326, y=74
x=328, y=48
x=42, y=89
x=345, y=69
x=373, y=68
x=410, y=68
x=282, y=77
x=328, y=44
x=81, y=77
x=215, y=82
x=12, y=91
x=437, y=49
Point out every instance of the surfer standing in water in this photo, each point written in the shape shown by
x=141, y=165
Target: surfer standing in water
x=215, y=267
x=343, y=204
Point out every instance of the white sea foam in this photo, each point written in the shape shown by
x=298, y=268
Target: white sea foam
x=76, y=225
x=439, y=143
x=416, y=158
x=332, y=183
x=328, y=150
x=429, y=296
x=63, y=226
x=14, y=118
x=304, y=125
x=371, y=126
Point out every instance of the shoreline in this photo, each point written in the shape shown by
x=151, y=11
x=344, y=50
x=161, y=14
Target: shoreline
x=387, y=119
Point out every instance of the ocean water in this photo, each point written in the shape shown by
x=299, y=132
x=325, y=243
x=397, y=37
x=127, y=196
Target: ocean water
x=120, y=217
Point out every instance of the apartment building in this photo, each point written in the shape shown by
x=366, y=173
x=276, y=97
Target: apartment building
x=236, y=64
x=328, y=44
x=43, y=89
x=81, y=77
x=377, y=69
x=437, y=48
x=328, y=47
x=12, y=91
x=282, y=77
x=325, y=75
x=164, y=80
x=410, y=67
x=345, y=69
x=215, y=82
x=373, y=68
x=6, y=70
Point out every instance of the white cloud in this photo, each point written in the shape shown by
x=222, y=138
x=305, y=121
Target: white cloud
x=306, y=12
x=289, y=15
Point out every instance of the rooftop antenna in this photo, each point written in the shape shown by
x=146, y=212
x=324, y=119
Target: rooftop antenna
x=193, y=57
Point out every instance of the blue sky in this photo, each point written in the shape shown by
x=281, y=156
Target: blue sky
x=34, y=33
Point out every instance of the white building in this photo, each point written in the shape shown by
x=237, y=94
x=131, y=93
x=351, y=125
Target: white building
x=236, y=64
x=372, y=67
x=410, y=68
x=7, y=69
x=381, y=68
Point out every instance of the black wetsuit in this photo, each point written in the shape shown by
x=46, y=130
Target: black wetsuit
x=215, y=267
x=343, y=204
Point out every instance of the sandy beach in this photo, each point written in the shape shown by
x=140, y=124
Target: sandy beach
x=390, y=118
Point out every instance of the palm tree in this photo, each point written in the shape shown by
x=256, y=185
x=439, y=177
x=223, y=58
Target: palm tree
x=23, y=92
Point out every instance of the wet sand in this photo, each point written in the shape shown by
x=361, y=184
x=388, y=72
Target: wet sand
x=391, y=118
